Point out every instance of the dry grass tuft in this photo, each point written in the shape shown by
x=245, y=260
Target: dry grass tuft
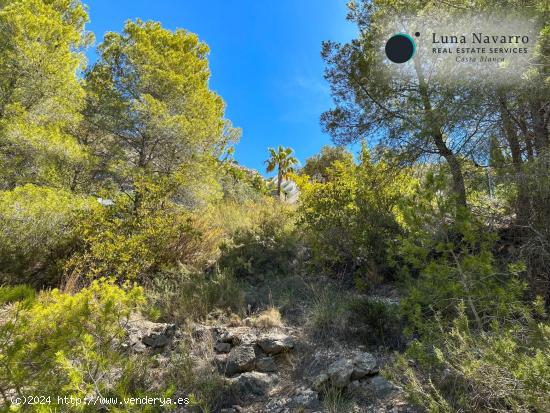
x=234, y=320
x=269, y=318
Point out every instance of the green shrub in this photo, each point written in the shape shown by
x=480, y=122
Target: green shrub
x=479, y=345
x=501, y=370
x=382, y=319
x=350, y=218
x=535, y=248
x=474, y=279
x=182, y=295
x=317, y=167
x=134, y=245
x=70, y=345
x=445, y=257
x=267, y=247
x=241, y=184
x=37, y=232
x=15, y=293
x=328, y=312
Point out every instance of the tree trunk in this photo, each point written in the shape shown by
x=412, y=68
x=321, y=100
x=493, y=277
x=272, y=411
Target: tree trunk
x=279, y=182
x=529, y=145
x=539, y=126
x=141, y=166
x=459, y=188
x=522, y=202
x=435, y=129
x=527, y=136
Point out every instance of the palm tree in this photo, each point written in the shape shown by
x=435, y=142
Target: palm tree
x=283, y=160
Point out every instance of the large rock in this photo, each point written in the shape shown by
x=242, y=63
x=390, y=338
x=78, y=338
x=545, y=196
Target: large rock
x=375, y=388
x=229, y=337
x=266, y=364
x=305, y=398
x=222, y=347
x=144, y=334
x=201, y=332
x=240, y=359
x=275, y=343
x=347, y=369
x=339, y=372
x=364, y=364
x=302, y=400
x=251, y=385
x=380, y=387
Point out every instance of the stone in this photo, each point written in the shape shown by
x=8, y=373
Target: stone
x=222, y=347
x=380, y=387
x=250, y=385
x=266, y=364
x=346, y=370
x=229, y=337
x=156, y=340
x=149, y=334
x=139, y=347
x=355, y=385
x=278, y=405
x=220, y=361
x=276, y=343
x=364, y=364
x=340, y=372
x=200, y=332
x=305, y=398
x=320, y=381
x=240, y=359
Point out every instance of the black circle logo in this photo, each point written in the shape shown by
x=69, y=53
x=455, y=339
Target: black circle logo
x=400, y=48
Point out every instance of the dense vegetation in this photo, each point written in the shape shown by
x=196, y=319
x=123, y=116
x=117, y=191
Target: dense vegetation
x=119, y=194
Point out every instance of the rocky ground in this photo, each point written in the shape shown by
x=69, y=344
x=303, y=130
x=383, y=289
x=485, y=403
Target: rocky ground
x=279, y=369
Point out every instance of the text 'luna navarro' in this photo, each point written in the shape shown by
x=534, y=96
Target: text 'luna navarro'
x=481, y=38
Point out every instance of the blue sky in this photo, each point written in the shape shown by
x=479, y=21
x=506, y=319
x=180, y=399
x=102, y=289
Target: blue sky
x=265, y=61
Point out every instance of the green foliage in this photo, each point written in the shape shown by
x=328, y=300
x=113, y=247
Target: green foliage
x=480, y=346
x=16, y=293
x=240, y=184
x=181, y=296
x=535, y=251
x=37, y=231
x=70, y=345
x=380, y=321
x=282, y=160
x=119, y=243
x=40, y=94
x=158, y=125
x=328, y=312
x=446, y=260
x=351, y=219
x=144, y=130
x=503, y=369
x=317, y=167
x=267, y=247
